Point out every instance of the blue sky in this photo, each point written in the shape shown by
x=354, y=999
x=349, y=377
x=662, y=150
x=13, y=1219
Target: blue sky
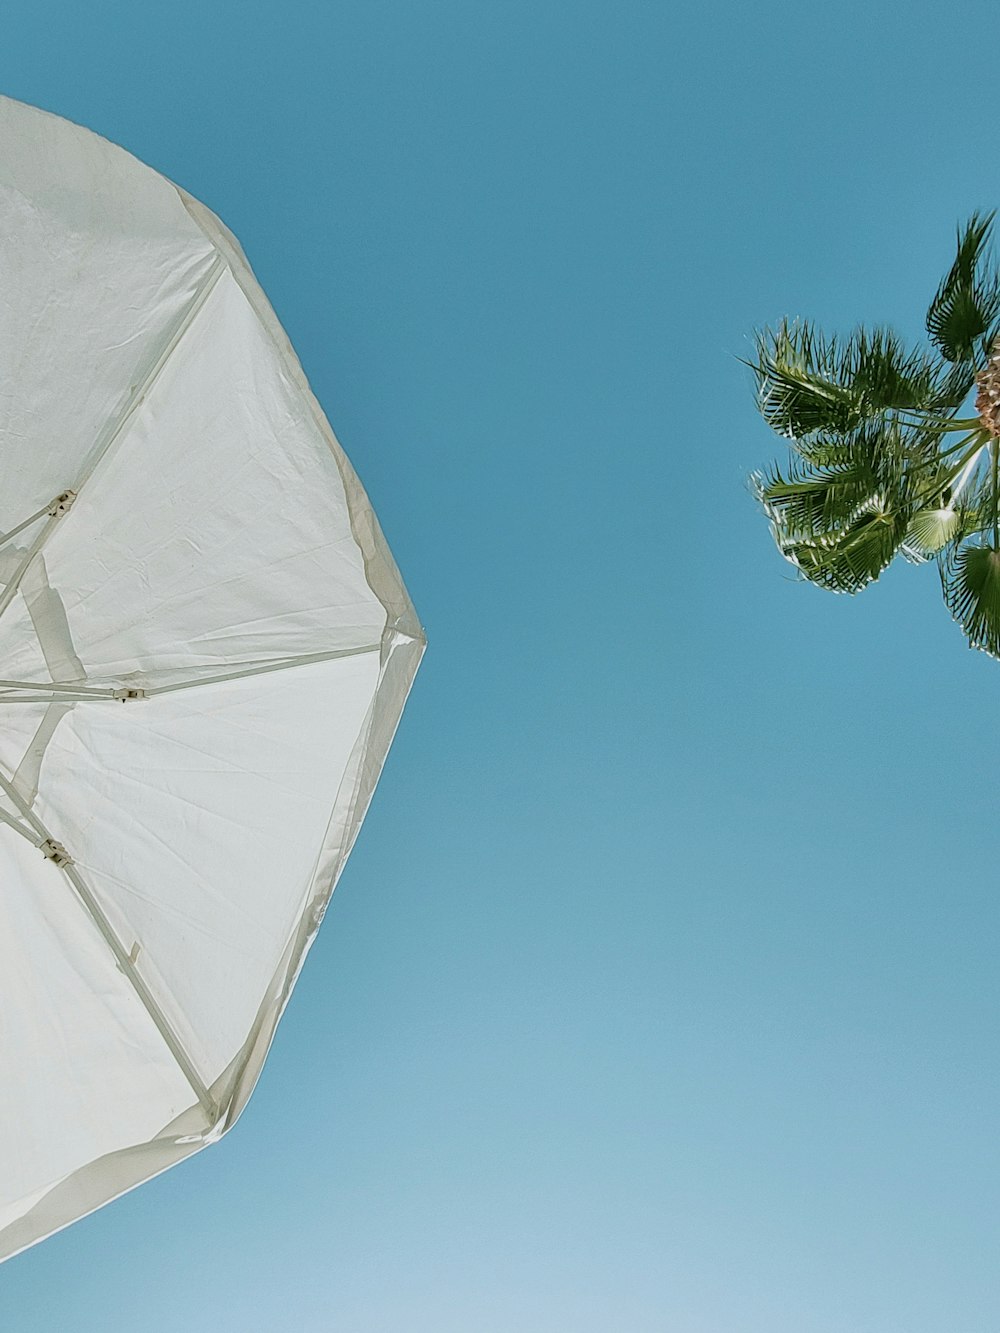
x=660, y=993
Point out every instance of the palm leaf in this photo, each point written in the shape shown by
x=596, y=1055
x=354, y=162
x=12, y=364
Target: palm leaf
x=808, y=383
x=797, y=388
x=826, y=450
x=841, y=525
x=808, y=503
x=930, y=531
x=954, y=386
x=970, y=580
x=883, y=375
x=848, y=561
x=837, y=478
x=962, y=317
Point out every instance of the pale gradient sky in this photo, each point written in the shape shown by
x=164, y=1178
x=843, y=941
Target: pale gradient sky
x=661, y=992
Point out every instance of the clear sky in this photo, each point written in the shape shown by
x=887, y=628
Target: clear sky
x=661, y=992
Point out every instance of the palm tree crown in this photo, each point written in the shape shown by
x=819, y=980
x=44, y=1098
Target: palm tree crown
x=882, y=463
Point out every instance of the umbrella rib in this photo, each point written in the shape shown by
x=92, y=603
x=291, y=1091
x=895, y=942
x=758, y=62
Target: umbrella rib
x=54, y=690
x=285, y=664
x=15, y=824
x=112, y=432
x=45, y=698
x=34, y=692
x=9, y=536
x=116, y=427
x=122, y=958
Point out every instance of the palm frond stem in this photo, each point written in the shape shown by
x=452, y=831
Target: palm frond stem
x=977, y=443
x=975, y=434
x=947, y=425
x=961, y=480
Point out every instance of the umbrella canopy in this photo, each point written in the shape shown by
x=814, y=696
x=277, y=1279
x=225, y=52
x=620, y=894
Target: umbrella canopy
x=205, y=647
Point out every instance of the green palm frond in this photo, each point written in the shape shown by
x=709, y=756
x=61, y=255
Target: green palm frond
x=811, y=500
x=962, y=318
x=883, y=375
x=826, y=450
x=808, y=502
x=954, y=386
x=954, y=501
x=849, y=560
x=797, y=386
x=841, y=524
x=970, y=581
x=807, y=383
x=930, y=531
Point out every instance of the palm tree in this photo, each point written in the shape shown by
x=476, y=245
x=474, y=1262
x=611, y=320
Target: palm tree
x=882, y=463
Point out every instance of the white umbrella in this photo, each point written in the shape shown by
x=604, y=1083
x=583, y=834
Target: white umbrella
x=205, y=647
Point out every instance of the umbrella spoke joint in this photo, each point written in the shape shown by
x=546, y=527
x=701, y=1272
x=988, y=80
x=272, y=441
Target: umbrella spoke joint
x=55, y=852
x=128, y=693
x=62, y=504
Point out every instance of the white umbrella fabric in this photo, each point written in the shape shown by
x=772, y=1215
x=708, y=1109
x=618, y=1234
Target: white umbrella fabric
x=205, y=647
